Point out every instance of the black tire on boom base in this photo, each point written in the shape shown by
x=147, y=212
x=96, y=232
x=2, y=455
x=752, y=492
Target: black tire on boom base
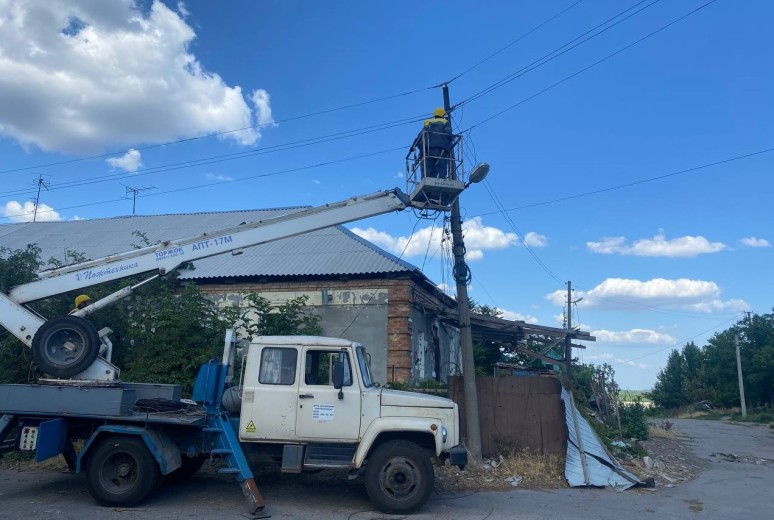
x=189, y=466
x=65, y=346
x=399, y=477
x=121, y=471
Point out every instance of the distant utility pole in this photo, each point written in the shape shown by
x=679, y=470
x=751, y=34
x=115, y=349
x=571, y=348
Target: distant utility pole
x=461, y=271
x=134, y=192
x=568, y=336
x=739, y=373
x=41, y=184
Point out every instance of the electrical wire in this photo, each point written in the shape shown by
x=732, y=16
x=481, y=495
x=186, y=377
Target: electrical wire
x=176, y=190
x=232, y=156
x=626, y=362
x=642, y=307
x=598, y=62
x=481, y=62
x=381, y=285
x=559, y=51
x=216, y=134
x=520, y=236
x=635, y=183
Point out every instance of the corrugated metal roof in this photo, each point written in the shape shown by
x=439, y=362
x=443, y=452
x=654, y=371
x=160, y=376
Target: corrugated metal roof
x=330, y=251
x=588, y=453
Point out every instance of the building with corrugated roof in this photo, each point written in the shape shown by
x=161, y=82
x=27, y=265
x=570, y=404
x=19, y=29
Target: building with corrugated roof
x=360, y=291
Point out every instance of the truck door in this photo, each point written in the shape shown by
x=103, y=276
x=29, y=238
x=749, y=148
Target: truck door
x=320, y=412
x=269, y=402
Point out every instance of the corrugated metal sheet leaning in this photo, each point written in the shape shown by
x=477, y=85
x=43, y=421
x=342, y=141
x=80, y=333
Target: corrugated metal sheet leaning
x=588, y=461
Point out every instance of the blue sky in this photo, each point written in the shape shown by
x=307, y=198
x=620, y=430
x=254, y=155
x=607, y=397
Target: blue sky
x=314, y=102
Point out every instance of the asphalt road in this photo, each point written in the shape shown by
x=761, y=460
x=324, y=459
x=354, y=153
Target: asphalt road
x=737, y=485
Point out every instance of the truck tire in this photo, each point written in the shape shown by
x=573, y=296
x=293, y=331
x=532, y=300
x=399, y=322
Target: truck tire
x=65, y=346
x=399, y=477
x=121, y=471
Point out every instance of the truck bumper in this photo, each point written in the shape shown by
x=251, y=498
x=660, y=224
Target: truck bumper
x=458, y=456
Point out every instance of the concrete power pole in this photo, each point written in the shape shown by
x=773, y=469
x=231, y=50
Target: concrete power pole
x=466, y=341
x=739, y=375
x=568, y=339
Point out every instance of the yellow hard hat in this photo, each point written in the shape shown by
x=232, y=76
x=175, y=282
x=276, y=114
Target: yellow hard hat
x=81, y=298
x=439, y=112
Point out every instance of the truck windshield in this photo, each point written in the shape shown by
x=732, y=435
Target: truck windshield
x=365, y=369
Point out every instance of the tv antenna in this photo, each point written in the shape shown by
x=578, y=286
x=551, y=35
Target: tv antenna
x=42, y=183
x=134, y=192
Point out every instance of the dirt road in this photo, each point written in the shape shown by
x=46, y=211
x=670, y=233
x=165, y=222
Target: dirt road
x=736, y=483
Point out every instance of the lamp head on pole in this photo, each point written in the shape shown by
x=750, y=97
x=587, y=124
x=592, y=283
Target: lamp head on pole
x=478, y=173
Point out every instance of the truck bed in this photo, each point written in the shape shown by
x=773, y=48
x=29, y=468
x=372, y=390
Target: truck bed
x=116, y=402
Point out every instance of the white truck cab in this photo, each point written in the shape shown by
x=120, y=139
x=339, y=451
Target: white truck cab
x=316, y=398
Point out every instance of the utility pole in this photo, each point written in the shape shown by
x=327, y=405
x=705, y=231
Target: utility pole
x=568, y=339
x=461, y=271
x=739, y=375
x=41, y=184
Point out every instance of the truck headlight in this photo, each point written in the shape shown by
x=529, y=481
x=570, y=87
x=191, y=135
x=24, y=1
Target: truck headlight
x=444, y=433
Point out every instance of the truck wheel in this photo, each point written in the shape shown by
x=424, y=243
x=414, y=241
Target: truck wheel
x=65, y=346
x=121, y=472
x=399, y=477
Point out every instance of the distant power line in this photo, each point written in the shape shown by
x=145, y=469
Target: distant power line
x=634, y=183
x=598, y=62
x=513, y=42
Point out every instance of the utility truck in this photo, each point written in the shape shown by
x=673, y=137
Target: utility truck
x=309, y=402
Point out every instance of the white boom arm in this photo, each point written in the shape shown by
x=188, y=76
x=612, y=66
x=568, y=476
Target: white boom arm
x=168, y=255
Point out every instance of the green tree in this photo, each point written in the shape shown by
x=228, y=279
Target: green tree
x=668, y=391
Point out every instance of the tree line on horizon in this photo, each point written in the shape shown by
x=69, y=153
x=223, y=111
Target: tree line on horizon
x=696, y=374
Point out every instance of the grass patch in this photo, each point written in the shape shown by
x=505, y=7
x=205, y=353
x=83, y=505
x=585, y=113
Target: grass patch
x=756, y=416
x=531, y=471
x=655, y=432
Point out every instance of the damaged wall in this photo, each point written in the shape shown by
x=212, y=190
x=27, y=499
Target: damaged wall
x=401, y=337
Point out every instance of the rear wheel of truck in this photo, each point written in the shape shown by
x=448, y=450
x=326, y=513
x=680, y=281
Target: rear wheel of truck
x=121, y=472
x=65, y=346
x=399, y=477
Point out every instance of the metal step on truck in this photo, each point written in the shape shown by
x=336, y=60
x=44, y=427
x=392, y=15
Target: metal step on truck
x=309, y=402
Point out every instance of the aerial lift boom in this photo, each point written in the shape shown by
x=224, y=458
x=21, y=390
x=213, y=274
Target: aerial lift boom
x=70, y=347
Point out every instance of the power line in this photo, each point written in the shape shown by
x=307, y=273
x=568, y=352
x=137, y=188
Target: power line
x=519, y=234
x=552, y=18
x=634, y=183
x=217, y=134
x=581, y=71
x=271, y=174
x=559, y=50
x=236, y=155
x=625, y=362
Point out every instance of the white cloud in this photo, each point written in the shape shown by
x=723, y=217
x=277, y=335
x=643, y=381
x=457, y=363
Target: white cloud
x=18, y=212
x=218, y=177
x=82, y=76
x=478, y=238
x=532, y=239
x=131, y=161
x=647, y=336
x=686, y=246
x=517, y=316
x=755, y=242
x=260, y=99
x=683, y=293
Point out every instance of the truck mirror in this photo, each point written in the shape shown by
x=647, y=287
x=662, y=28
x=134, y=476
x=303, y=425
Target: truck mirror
x=338, y=373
